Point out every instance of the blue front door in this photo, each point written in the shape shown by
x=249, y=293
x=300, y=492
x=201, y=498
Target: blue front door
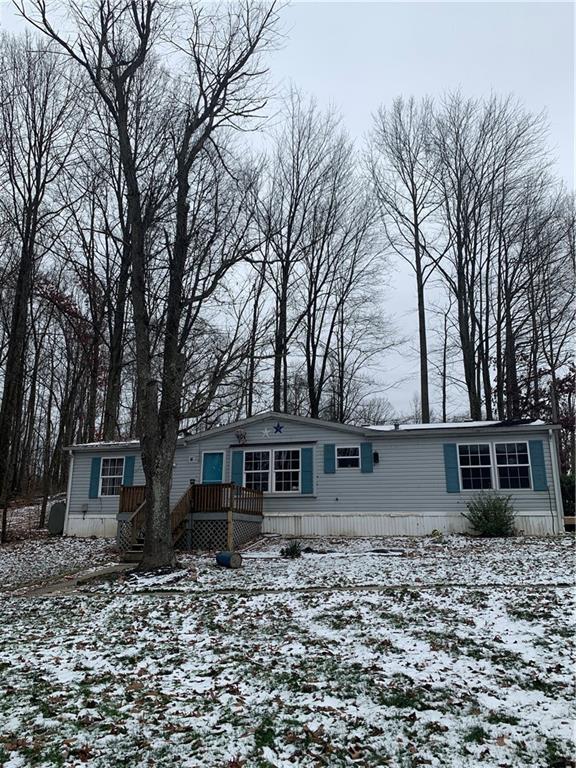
x=212, y=465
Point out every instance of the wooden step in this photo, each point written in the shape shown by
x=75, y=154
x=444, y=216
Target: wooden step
x=132, y=555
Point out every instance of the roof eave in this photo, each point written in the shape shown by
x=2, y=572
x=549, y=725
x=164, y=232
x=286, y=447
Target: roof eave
x=476, y=430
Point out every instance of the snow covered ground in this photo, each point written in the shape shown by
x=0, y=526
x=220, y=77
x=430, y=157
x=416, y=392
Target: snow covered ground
x=42, y=559
x=454, y=652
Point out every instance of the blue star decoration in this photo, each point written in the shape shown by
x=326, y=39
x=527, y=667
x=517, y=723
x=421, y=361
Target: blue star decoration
x=278, y=428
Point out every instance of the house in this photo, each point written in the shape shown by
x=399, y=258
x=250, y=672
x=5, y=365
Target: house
x=298, y=476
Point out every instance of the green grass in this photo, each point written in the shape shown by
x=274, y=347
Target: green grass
x=265, y=735
x=495, y=718
x=476, y=734
x=555, y=759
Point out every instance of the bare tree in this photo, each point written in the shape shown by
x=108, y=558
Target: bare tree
x=37, y=102
x=481, y=152
x=114, y=46
x=402, y=170
x=300, y=173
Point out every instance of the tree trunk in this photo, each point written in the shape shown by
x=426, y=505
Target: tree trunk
x=110, y=429
x=424, y=389
x=14, y=372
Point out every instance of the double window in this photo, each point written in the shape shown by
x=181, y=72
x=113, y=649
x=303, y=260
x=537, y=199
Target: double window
x=277, y=470
x=111, y=476
x=512, y=466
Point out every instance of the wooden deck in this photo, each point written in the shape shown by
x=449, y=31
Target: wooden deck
x=200, y=498
x=131, y=496
x=227, y=498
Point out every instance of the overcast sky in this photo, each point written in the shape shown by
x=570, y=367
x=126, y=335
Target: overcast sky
x=358, y=55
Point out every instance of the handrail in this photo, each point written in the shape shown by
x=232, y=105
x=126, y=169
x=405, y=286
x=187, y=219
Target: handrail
x=223, y=497
x=131, y=496
x=180, y=510
x=137, y=523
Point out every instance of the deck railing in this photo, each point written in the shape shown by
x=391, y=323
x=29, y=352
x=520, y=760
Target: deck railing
x=131, y=515
x=179, y=514
x=131, y=496
x=225, y=497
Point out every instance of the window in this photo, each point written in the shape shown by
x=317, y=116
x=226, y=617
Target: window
x=257, y=470
x=475, y=466
x=347, y=456
x=513, y=465
x=287, y=471
x=111, y=476
x=284, y=469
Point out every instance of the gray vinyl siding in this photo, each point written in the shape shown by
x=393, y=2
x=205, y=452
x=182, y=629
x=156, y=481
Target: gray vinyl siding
x=406, y=492
x=80, y=485
x=408, y=481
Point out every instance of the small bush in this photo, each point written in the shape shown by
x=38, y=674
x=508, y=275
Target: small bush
x=292, y=551
x=491, y=515
x=567, y=486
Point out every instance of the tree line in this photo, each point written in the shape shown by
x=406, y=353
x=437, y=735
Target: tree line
x=468, y=199
x=158, y=272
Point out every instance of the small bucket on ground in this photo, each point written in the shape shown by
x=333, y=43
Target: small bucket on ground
x=229, y=559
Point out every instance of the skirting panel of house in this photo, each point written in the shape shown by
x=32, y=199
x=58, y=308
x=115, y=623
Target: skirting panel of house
x=90, y=525
x=390, y=525
x=210, y=530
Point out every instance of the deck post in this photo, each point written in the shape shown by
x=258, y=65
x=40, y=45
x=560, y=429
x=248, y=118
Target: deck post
x=189, y=522
x=230, y=520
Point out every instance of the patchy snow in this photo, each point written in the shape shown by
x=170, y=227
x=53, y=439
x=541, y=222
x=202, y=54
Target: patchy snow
x=353, y=563
x=447, y=425
x=454, y=654
x=36, y=560
x=104, y=444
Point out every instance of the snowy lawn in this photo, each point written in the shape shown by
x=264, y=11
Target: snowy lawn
x=444, y=654
x=43, y=559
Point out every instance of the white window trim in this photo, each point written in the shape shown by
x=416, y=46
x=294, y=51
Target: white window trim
x=110, y=495
x=271, y=472
x=357, y=446
x=202, y=465
x=495, y=478
x=256, y=450
x=492, y=478
x=529, y=465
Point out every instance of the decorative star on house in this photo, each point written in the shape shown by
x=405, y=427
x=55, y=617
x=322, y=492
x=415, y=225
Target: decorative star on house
x=278, y=428
x=266, y=432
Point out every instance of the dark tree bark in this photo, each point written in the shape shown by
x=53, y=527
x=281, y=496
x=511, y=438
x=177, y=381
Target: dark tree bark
x=37, y=97
x=114, y=48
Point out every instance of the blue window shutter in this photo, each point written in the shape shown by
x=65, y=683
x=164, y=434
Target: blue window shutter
x=95, y=477
x=307, y=470
x=451, y=468
x=366, y=457
x=539, y=482
x=329, y=458
x=128, y=478
x=237, y=474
